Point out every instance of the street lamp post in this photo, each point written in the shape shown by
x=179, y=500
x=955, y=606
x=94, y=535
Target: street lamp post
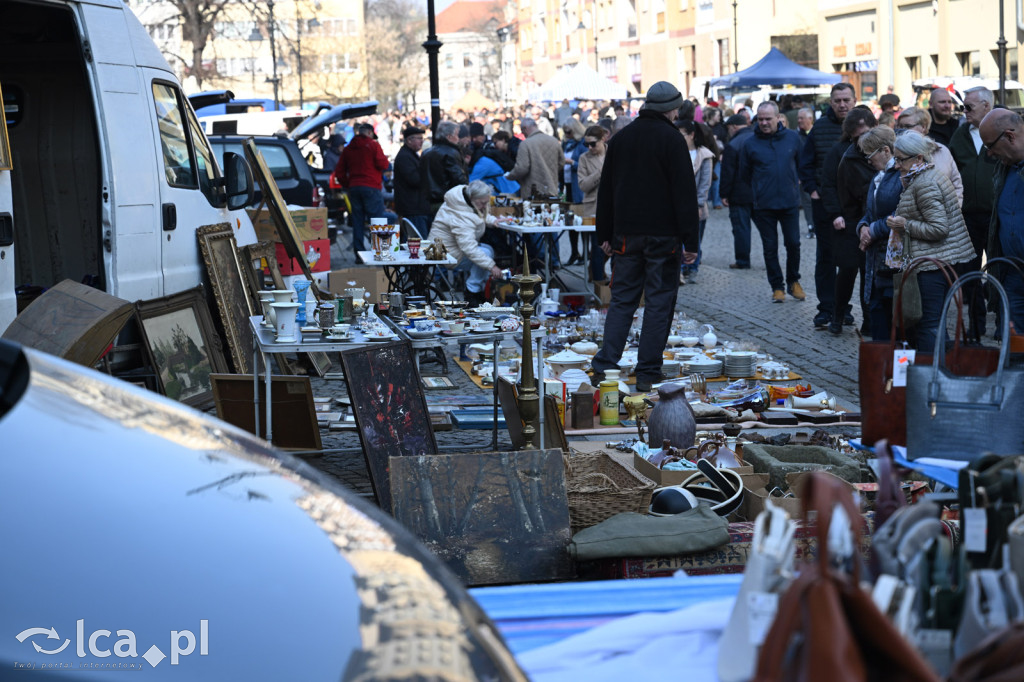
x=735, y=40
x=1002, y=59
x=313, y=23
x=433, y=47
x=255, y=36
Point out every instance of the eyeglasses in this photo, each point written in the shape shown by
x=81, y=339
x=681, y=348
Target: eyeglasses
x=902, y=159
x=590, y=144
x=869, y=156
x=906, y=125
x=993, y=143
x=969, y=107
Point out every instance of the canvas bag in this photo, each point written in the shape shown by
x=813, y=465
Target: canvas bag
x=883, y=406
x=962, y=417
x=827, y=627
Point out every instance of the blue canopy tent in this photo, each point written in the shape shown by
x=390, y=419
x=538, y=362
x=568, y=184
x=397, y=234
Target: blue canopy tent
x=775, y=69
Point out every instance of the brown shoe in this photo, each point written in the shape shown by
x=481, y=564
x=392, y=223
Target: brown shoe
x=797, y=291
x=738, y=266
x=778, y=296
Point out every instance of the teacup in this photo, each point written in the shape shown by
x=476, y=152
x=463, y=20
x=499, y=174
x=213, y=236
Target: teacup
x=341, y=329
x=423, y=324
x=456, y=327
x=482, y=325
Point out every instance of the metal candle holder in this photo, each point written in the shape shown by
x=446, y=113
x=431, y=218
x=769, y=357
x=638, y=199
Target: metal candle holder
x=529, y=397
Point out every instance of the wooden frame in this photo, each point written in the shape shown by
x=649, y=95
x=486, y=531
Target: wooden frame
x=6, y=161
x=182, y=344
x=277, y=206
x=220, y=254
x=296, y=423
x=390, y=409
x=438, y=382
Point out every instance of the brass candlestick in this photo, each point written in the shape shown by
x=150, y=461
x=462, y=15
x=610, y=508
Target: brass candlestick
x=529, y=398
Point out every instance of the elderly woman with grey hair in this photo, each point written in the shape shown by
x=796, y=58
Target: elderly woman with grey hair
x=927, y=222
x=459, y=225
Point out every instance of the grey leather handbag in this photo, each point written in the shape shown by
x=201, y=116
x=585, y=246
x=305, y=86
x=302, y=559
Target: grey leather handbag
x=963, y=417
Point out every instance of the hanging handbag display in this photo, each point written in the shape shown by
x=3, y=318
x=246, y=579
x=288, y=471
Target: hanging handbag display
x=992, y=603
x=990, y=492
x=827, y=627
x=767, y=574
x=883, y=404
x=962, y=417
x=1000, y=658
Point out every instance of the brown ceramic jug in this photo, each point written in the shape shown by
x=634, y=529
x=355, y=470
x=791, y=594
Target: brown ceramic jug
x=672, y=418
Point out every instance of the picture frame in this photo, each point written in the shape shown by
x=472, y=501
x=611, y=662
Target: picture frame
x=182, y=345
x=6, y=161
x=296, y=423
x=234, y=304
x=390, y=409
x=438, y=383
x=277, y=206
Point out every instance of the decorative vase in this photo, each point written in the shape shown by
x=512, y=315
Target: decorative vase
x=301, y=289
x=286, y=321
x=266, y=298
x=672, y=418
x=280, y=296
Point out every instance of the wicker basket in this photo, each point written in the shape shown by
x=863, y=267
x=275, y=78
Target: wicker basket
x=600, y=486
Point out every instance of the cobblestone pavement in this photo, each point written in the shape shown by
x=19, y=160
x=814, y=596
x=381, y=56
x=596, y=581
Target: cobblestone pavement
x=738, y=304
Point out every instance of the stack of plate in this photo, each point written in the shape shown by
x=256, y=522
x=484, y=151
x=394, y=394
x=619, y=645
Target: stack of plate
x=701, y=364
x=741, y=364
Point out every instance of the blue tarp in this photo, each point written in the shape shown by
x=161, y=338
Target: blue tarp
x=775, y=69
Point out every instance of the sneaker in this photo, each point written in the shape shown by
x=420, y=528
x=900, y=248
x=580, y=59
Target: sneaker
x=644, y=385
x=822, y=320
x=596, y=377
x=778, y=296
x=738, y=266
x=691, y=278
x=682, y=279
x=810, y=234
x=797, y=291
x=834, y=328
x=848, y=320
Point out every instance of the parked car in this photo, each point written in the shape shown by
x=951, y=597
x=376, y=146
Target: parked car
x=144, y=535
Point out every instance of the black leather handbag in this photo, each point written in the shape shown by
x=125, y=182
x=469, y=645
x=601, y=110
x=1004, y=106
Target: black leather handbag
x=963, y=417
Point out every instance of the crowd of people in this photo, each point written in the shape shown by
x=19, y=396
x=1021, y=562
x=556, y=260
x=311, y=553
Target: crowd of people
x=876, y=187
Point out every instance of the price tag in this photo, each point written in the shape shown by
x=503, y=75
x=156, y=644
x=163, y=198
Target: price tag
x=901, y=359
x=976, y=529
x=761, y=608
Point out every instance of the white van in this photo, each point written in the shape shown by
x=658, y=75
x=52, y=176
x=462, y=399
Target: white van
x=110, y=173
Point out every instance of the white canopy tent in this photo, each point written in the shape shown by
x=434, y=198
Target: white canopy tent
x=578, y=82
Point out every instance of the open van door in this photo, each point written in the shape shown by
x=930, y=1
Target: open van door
x=8, y=298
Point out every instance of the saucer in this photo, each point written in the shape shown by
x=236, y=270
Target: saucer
x=339, y=337
x=413, y=334
x=488, y=330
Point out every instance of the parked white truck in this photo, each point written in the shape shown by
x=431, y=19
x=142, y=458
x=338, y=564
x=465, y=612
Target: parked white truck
x=109, y=172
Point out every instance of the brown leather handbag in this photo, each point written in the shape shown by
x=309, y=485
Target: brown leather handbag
x=999, y=658
x=827, y=627
x=883, y=406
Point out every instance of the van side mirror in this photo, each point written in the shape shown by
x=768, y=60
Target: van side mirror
x=238, y=183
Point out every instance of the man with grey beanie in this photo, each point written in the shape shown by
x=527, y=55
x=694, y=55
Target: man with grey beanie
x=646, y=217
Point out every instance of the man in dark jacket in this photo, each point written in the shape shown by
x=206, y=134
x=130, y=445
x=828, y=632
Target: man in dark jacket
x=359, y=171
x=768, y=162
x=944, y=122
x=410, y=200
x=1002, y=133
x=976, y=170
x=736, y=195
x=646, y=216
x=825, y=133
x=441, y=166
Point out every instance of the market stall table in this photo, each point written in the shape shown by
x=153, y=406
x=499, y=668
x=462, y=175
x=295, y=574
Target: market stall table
x=548, y=231
x=413, y=276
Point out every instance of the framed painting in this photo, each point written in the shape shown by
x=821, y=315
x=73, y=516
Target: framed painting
x=493, y=517
x=277, y=206
x=217, y=244
x=438, y=382
x=183, y=345
x=391, y=412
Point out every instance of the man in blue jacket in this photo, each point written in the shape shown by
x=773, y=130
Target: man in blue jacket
x=736, y=195
x=768, y=163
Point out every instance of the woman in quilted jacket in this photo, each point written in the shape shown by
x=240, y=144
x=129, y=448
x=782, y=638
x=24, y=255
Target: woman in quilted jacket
x=927, y=222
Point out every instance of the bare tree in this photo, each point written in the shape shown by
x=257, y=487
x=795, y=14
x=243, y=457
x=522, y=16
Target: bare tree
x=395, y=63
x=197, y=27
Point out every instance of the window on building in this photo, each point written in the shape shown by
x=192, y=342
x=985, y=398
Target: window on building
x=914, y=65
x=935, y=65
x=635, y=65
x=970, y=63
x=449, y=61
x=724, y=56
x=1011, y=64
x=631, y=19
x=658, y=7
x=467, y=60
x=609, y=68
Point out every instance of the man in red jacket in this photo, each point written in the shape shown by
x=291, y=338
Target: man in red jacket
x=359, y=171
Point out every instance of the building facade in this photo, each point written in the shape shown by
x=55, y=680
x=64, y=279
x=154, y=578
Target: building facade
x=471, y=53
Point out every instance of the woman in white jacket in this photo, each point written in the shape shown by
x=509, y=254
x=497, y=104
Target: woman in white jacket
x=459, y=225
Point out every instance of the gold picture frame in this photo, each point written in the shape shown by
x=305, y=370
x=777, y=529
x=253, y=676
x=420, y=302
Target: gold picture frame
x=220, y=254
x=6, y=162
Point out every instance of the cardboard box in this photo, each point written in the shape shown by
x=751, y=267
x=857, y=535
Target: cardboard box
x=371, y=278
x=310, y=224
x=603, y=292
x=318, y=255
x=669, y=477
